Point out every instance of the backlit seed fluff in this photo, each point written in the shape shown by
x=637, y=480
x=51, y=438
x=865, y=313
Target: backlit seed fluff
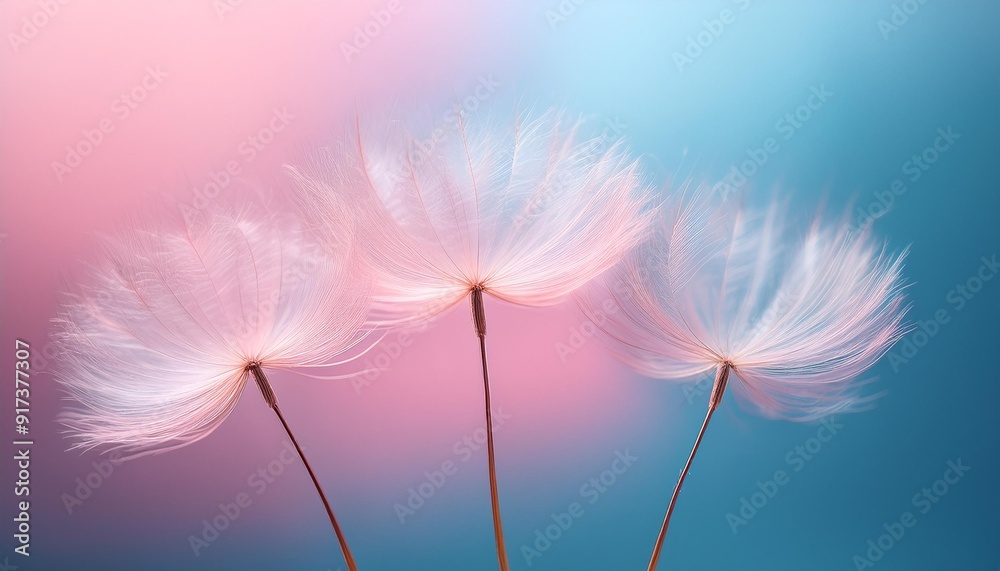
x=526, y=210
x=154, y=349
x=798, y=317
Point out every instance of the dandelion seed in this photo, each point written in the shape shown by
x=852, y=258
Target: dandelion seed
x=526, y=213
x=179, y=319
x=790, y=327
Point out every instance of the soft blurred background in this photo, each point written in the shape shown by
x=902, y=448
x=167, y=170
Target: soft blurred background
x=849, y=91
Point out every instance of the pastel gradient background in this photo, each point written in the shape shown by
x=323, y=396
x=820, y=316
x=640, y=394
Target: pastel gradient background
x=227, y=71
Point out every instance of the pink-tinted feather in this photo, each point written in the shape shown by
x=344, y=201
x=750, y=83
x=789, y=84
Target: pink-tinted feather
x=529, y=210
x=799, y=320
x=155, y=348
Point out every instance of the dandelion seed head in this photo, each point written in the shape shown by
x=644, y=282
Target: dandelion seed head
x=527, y=210
x=798, y=318
x=156, y=347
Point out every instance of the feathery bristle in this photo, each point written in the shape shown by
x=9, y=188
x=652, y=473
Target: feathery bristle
x=529, y=210
x=155, y=348
x=798, y=319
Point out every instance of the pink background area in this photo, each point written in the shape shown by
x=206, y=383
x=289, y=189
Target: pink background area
x=224, y=77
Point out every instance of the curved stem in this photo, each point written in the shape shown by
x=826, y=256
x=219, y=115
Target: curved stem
x=479, y=319
x=721, y=379
x=272, y=402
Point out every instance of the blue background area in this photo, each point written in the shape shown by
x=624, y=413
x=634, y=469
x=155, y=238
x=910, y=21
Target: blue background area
x=939, y=70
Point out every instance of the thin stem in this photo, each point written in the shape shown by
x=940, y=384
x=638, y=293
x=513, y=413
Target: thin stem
x=479, y=319
x=272, y=402
x=721, y=379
